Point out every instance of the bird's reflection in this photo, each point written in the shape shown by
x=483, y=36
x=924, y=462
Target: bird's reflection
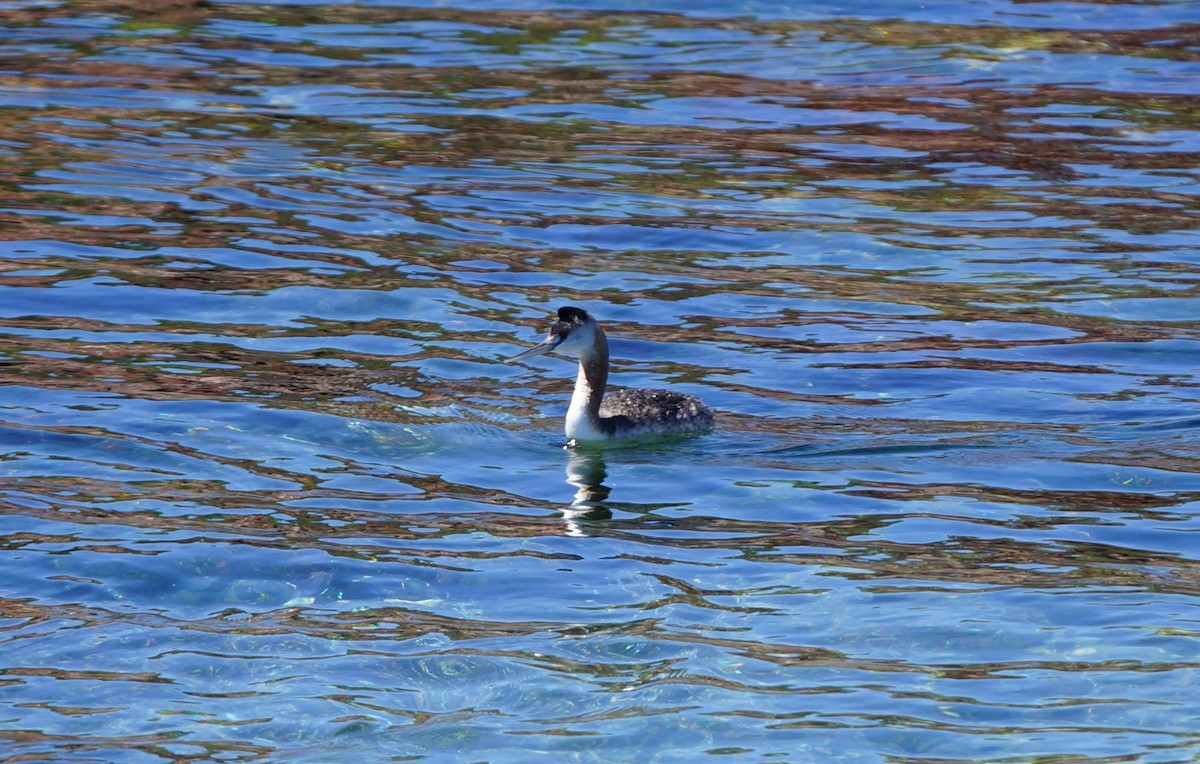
x=586, y=471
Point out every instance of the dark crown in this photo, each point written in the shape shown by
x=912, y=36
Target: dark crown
x=573, y=315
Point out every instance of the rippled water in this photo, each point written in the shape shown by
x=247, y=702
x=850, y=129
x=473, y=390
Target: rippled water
x=269, y=494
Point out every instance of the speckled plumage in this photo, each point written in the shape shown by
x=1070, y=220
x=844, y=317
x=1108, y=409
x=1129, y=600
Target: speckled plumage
x=629, y=413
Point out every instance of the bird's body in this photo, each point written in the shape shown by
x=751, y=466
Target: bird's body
x=594, y=416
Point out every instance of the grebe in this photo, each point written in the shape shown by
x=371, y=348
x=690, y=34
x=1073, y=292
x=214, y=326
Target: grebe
x=593, y=416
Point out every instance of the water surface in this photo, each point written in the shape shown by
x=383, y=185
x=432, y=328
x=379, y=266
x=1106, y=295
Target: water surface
x=269, y=493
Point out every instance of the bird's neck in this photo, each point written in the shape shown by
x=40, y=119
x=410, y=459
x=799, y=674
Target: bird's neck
x=583, y=416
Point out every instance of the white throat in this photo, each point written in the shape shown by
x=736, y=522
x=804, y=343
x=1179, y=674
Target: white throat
x=582, y=417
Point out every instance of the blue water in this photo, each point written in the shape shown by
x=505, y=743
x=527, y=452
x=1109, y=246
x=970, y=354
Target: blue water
x=268, y=492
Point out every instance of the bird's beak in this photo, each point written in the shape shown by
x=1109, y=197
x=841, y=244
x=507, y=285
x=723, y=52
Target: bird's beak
x=544, y=347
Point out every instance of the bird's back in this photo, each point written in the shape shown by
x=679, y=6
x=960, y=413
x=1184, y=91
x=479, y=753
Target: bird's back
x=639, y=412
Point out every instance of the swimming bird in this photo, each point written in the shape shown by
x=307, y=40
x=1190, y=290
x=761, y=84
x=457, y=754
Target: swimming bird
x=594, y=416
